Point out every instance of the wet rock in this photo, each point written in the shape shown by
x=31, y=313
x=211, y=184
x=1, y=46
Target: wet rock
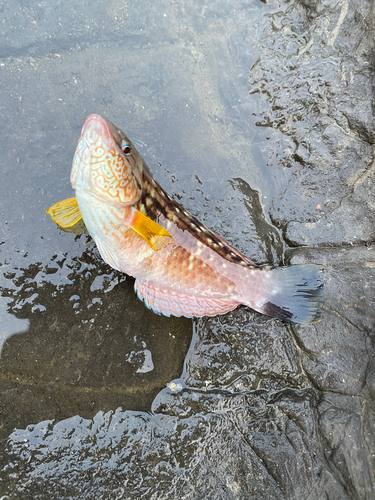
x=292, y=408
x=338, y=358
x=243, y=351
x=347, y=435
x=90, y=344
x=236, y=446
x=315, y=73
x=262, y=409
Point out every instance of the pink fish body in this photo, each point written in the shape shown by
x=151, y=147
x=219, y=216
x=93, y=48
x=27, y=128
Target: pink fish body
x=182, y=268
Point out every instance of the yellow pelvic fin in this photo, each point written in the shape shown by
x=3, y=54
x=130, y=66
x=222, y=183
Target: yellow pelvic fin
x=155, y=235
x=65, y=213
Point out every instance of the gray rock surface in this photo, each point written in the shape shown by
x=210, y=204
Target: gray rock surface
x=262, y=110
x=316, y=76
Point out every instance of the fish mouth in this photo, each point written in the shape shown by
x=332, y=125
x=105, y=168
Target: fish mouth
x=97, y=125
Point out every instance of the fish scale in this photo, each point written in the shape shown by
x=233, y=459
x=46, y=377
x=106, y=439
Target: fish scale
x=154, y=201
x=181, y=267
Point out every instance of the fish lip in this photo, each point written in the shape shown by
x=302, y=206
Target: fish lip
x=98, y=124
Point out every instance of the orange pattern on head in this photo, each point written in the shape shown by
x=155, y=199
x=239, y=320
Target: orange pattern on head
x=104, y=169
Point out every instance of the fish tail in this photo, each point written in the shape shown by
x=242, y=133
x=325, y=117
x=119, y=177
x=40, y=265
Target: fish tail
x=296, y=293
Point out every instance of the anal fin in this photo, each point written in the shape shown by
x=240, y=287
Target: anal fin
x=170, y=302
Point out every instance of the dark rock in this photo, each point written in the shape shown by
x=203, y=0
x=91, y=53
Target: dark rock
x=263, y=409
x=315, y=70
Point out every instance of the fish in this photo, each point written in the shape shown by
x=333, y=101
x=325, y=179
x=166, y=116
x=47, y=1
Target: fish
x=180, y=266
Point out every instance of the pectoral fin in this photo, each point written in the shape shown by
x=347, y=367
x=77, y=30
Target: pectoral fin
x=65, y=213
x=155, y=235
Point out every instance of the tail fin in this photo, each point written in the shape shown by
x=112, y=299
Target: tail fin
x=297, y=293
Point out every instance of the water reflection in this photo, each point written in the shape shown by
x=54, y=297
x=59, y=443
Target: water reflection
x=82, y=346
x=9, y=324
x=81, y=341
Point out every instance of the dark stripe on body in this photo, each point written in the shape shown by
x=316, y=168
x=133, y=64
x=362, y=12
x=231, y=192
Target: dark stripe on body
x=155, y=202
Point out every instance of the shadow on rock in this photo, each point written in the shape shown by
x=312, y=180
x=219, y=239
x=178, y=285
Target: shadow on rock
x=91, y=344
x=260, y=410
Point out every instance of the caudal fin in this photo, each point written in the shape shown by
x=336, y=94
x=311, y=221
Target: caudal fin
x=297, y=293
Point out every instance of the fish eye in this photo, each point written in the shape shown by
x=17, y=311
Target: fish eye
x=126, y=148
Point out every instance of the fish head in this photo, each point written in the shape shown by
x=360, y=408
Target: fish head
x=106, y=163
